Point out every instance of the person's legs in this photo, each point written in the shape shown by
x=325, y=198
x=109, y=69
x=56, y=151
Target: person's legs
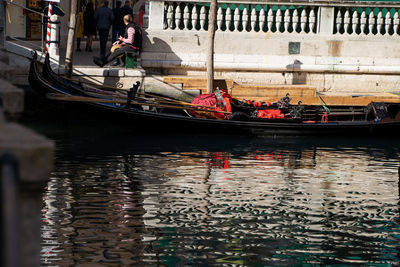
x=78, y=44
x=103, y=35
x=114, y=33
x=120, y=31
x=119, y=52
x=89, y=43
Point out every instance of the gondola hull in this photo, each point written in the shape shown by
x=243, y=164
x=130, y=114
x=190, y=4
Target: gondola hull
x=141, y=120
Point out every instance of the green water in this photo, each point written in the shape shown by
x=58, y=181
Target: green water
x=116, y=198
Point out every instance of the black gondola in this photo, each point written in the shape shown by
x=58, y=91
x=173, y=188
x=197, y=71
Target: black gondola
x=368, y=121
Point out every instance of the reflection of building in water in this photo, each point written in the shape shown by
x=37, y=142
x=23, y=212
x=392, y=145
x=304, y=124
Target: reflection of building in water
x=96, y=209
x=146, y=208
x=290, y=197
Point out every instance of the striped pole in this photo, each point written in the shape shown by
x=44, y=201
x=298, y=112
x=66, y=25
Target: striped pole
x=49, y=13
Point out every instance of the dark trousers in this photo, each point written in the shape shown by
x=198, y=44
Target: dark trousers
x=121, y=51
x=117, y=31
x=103, y=36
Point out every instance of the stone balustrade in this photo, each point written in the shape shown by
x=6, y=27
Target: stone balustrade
x=279, y=17
x=328, y=44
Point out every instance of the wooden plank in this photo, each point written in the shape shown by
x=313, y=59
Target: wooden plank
x=335, y=100
x=272, y=90
x=191, y=83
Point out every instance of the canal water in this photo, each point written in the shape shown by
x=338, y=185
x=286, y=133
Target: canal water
x=119, y=197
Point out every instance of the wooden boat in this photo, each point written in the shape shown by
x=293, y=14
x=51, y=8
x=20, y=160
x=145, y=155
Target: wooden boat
x=152, y=113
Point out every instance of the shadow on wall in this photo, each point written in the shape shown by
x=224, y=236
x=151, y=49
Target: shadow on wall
x=298, y=77
x=157, y=56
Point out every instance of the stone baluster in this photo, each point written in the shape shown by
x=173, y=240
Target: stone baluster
x=338, y=21
x=245, y=19
x=202, y=17
x=303, y=20
x=295, y=20
x=170, y=15
x=380, y=24
x=388, y=22
x=165, y=23
x=363, y=23
x=228, y=19
x=286, y=20
x=278, y=20
x=236, y=19
x=178, y=14
x=312, y=19
x=262, y=19
x=253, y=18
x=186, y=15
x=396, y=23
x=371, y=23
x=346, y=21
x=354, y=22
x=270, y=19
x=195, y=17
x=219, y=19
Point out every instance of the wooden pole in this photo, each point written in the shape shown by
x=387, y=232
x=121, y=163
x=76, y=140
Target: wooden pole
x=69, y=56
x=3, y=52
x=210, y=52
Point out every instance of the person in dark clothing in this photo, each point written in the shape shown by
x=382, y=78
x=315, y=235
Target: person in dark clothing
x=104, y=18
x=127, y=9
x=89, y=25
x=130, y=43
x=118, y=27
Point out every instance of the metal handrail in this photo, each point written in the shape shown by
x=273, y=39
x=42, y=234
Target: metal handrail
x=24, y=7
x=23, y=41
x=33, y=11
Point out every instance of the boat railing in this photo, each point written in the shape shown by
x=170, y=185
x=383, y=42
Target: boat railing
x=294, y=17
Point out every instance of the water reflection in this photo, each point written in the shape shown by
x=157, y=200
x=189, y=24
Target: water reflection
x=167, y=200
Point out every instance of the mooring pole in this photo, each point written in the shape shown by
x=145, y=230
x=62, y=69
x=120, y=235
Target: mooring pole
x=69, y=56
x=210, y=51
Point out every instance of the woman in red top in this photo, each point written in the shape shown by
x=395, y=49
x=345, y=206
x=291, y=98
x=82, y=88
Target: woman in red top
x=130, y=43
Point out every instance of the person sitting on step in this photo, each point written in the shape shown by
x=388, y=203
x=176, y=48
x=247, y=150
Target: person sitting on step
x=130, y=43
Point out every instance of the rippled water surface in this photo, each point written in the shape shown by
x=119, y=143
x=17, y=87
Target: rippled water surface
x=120, y=198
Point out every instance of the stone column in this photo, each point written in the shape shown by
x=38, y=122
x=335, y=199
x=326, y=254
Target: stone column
x=54, y=45
x=156, y=14
x=326, y=20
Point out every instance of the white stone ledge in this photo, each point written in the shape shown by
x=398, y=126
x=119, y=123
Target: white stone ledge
x=90, y=72
x=201, y=65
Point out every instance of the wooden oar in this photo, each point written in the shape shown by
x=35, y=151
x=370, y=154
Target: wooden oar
x=55, y=96
x=172, y=102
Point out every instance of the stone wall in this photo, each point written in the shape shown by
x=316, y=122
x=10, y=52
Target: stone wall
x=336, y=47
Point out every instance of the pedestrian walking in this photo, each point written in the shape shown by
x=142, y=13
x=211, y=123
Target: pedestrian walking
x=104, y=18
x=127, y=9
x=118, y=27
x=89, y=25
x=79, y=29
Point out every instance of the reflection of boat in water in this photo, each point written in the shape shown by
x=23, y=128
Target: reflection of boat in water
x=157, y=113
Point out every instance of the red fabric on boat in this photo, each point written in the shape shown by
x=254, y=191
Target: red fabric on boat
x=205, y=100
x=270, y=114
x=211, y=101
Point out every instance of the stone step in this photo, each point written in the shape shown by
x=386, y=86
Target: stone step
x=197, y=83
x=242, y=91
x=251, y=91
x=339, y=100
